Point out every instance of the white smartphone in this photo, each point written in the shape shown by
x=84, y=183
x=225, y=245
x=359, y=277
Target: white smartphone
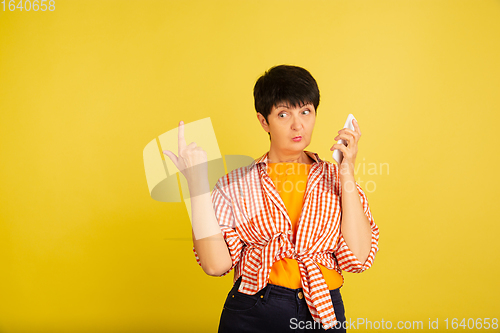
x=337, y=154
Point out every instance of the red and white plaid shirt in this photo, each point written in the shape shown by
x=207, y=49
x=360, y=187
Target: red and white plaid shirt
x=258, y=231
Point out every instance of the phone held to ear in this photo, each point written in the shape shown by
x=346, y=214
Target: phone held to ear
x=337, y=154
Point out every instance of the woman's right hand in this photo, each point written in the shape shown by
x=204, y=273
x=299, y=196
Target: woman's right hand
x=192, y=160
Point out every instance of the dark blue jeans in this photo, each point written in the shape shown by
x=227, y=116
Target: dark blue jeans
x=274, y=309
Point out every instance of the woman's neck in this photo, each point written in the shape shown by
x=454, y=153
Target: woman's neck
x=301, y=157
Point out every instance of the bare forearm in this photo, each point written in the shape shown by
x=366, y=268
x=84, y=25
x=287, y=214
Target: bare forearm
x=208, y=240
x=355, y=225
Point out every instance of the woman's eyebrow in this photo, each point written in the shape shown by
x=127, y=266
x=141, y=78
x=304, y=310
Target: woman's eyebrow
x=283, y=106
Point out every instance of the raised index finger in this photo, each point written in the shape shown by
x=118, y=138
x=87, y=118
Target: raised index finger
x=182, y=141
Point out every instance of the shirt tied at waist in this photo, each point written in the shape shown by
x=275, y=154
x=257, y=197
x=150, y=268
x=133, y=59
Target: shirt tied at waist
x=316, y=292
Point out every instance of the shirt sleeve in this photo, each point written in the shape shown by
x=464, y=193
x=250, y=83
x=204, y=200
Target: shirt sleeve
x=225, y=216
x=346, y=259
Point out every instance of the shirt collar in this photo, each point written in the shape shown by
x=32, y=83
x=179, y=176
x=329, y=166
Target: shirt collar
x=264, y=158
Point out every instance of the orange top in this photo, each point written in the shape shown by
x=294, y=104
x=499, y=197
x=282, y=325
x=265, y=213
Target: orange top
x=290, y=180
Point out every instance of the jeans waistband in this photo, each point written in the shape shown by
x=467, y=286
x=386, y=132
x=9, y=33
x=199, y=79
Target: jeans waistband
x=276, y=290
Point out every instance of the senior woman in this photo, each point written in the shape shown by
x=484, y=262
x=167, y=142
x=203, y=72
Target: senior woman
x=289, y=223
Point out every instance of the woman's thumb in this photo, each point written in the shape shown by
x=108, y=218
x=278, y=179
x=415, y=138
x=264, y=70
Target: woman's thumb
x=171, y=155
x=168, y=153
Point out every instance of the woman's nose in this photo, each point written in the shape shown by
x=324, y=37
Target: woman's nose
x=296, y=124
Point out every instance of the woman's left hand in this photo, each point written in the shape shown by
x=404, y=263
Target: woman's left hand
x=351, y=150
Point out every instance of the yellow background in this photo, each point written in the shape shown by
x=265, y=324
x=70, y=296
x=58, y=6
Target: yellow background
x=84, y=88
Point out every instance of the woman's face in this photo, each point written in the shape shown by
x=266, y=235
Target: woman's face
x=287, y=122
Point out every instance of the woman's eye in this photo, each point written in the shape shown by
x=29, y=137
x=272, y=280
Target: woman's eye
x=307, y=111
x=281, y=114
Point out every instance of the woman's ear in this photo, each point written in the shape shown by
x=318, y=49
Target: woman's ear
x=263, y=122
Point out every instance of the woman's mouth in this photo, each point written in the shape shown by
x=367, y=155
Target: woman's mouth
x=297, y=138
